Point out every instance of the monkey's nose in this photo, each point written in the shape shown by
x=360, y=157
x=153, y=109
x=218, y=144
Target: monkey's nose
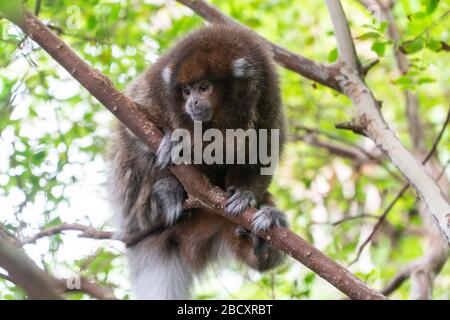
x=195, y=102
x=200, y=111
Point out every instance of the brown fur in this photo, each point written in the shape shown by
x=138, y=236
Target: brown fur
x=251, y=102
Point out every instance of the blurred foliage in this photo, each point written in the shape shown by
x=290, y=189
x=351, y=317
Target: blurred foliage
x=53, y=136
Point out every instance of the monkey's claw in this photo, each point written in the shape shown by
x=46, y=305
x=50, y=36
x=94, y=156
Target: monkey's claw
x=167, y=200
x=267, y=217
x=239, y=200
x=164, y=153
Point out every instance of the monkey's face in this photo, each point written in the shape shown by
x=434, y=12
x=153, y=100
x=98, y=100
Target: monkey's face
x=199, y=100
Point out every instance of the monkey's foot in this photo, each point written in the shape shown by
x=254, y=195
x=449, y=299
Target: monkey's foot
x=167, y=200
x=239, y=200
x=267, y=257
x=267, y=217
x=164, y=153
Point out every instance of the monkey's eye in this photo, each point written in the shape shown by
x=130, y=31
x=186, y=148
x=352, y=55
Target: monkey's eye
x=204, y=87
x=186, y=91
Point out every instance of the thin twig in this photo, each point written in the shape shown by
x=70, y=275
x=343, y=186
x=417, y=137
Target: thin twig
x=86, y=232
x=346, y=219
x=396, y=282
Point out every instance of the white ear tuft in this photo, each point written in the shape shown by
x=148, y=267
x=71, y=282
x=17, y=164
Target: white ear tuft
x=241, y=68
x=166, y=75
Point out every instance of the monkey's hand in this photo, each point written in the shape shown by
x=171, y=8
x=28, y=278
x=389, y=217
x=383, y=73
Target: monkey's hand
x=167, y=200
x=267, y=217
x=239, y=200
x=164, y=153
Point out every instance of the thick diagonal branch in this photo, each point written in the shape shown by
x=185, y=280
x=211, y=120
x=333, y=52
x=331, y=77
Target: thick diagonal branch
x=25, y=273
x=195, y=183
x=37, y=283
x=423, y=270
x=370, y=120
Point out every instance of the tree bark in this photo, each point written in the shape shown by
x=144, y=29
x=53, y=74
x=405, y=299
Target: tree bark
x=24, y=272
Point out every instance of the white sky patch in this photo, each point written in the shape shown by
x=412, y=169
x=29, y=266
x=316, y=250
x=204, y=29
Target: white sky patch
x=373, y=199
x=344, y=174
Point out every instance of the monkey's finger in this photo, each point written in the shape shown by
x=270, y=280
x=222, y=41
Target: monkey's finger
x=240, y=201
x=267, y=217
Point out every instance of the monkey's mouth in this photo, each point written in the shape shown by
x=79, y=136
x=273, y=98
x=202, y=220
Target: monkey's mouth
x=200, y=114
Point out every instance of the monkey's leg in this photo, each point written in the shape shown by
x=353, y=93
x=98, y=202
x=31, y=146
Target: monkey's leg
x=252, y=249
x=144, y=195
x=203, y=237
x=167, y=199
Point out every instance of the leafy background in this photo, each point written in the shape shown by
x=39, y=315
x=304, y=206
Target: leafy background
x=54, y=137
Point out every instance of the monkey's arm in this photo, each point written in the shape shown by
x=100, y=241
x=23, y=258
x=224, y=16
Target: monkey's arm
x=147, y=196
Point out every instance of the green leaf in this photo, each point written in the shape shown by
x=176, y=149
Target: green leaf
x=383, y=27
x=405, y=82
x=369, y=35
x=426, y=80
x=418, y=15
x=379, y=48
x=434, y=45
x=39, y=157
x=333, y=55
x=56, y=221
x=431, y=6
x=413, y=46
x=309, y=278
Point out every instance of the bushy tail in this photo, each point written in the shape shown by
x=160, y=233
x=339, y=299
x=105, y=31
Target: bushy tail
x=156, y=276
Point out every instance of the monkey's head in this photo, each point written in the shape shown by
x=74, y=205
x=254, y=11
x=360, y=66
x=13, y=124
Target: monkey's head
x=199, y=100
x=213, y=74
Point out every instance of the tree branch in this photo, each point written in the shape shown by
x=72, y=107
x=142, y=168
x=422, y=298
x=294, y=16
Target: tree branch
x=195, y=183
x=39, y=284
x=26, y=274
x=405, y=188
x=341, y=147
x=371, y=121
x=93, y=233
x=86, y=232
x=352, y=154
x=344, y=40
x=424, y=270
x=416, y=127
x=308, y=68
x=396, y=282
x=91, y=288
